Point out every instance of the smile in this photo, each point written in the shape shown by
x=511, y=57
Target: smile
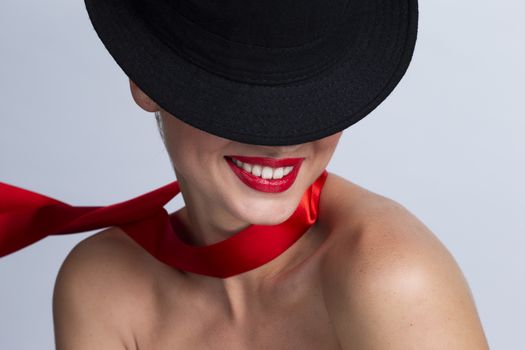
x=265, y=174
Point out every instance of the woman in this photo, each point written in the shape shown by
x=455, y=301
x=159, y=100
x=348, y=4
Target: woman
x=251, y=102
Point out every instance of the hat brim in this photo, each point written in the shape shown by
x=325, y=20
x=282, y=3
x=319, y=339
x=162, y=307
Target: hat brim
x=289, y=114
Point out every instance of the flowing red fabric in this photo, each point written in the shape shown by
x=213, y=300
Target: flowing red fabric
x=27, y=217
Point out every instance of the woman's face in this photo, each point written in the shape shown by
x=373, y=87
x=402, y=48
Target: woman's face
x=199, y=161
x=208, y=181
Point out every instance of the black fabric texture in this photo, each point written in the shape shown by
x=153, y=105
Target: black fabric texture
x=274, y=72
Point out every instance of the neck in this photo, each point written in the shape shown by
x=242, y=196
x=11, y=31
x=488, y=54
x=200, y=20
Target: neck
x=240, y=293
x=206, y=232
x=211, y=224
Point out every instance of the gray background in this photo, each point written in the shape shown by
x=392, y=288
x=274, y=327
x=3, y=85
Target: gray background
x=447, y=143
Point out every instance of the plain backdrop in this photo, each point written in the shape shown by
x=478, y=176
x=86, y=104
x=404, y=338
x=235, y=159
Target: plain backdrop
x=447, y=144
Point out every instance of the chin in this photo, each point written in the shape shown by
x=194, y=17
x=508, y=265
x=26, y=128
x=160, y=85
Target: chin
x=270, y=216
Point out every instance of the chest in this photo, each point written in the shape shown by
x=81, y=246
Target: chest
x=305, y=325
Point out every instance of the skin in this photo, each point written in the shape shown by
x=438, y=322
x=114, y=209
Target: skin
x=368, y=274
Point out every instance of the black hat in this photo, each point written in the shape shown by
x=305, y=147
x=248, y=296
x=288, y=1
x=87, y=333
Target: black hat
x=264, y=72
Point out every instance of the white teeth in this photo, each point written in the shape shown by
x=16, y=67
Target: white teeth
x=256, y=170
x=265, y=172
x=278, y=173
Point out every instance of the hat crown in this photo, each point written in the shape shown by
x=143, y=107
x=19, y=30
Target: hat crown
x=266, y=23
x=266, y=42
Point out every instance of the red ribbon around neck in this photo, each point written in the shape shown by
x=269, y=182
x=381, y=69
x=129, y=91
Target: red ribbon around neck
x=27, y=217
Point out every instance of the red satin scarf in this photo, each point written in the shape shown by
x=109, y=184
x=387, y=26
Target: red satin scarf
x=27, y=217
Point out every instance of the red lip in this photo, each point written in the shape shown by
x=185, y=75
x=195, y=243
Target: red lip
x=271, y=162
x=267, y=185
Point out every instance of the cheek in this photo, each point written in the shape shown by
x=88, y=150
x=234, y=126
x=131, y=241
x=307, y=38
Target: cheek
x=194, y=151
x=327, y=145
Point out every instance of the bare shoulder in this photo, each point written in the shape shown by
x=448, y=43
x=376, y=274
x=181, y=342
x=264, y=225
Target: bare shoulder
x=101, y=287
x=390, y=283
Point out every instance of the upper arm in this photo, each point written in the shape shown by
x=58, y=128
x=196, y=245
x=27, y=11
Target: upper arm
x=400, y=288
x=85, y=312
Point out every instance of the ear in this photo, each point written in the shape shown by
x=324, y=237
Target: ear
x=143, y=100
